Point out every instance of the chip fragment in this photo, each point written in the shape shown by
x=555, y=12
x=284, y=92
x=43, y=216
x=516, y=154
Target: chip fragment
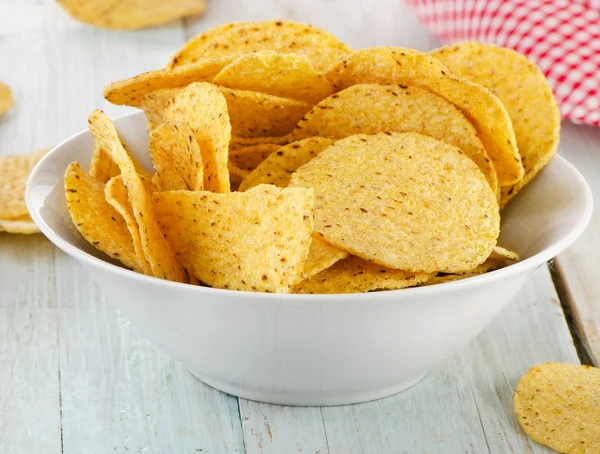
x=22, y=224
x=131, y=14
x=162, y=260
x=354, y=275
x=95, y=219
x=321, y=256
x=14, y=172
x=404, y=201
x=525, y=93
x=176, y=157
x=286, y=37
x=202, y=106
x=131, y=91
x=395, y=108
x=255, y=114
x=256, y=240
x=558, y=405
x=6, y=98
x=285, y=75
x=277, y=169
x=387, y=65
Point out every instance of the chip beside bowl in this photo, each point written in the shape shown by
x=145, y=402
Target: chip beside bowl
x=314, y=349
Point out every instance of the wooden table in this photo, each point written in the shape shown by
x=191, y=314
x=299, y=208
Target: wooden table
x=76, y=377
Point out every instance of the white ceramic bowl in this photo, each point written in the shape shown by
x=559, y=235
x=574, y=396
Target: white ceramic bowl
x=314, y=349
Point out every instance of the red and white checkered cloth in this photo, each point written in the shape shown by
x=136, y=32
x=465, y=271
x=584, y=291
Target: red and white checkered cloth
x=561, y=36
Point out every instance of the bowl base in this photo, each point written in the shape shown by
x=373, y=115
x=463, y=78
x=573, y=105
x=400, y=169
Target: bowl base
x=308, y=399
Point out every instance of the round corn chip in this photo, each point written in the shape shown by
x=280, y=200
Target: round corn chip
x=286, y=75
x=95, y=219
x=23, y=224
x=250, y=157
x=14, y=172
x=6, y=99
x=255, y=114
x=321, y=256
x=131, y=14
x=116, y=195
x=525, y=93
x=386, y=65
x=161, y=258
x=176, y=157
x=395, y=108
x=277, y=169
x=131, y=91
x=558, y=405
x=202, y=106
x=404, y=201
x=285, y=37
x=355, y=275
x=256, y=240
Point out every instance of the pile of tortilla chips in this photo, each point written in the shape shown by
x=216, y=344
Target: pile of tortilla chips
x=285, y=161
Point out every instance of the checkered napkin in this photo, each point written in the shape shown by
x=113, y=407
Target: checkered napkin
x=561, y=36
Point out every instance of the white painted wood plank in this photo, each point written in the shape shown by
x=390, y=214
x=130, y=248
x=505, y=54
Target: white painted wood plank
x=29, y=407
x=120, y=393
x=579, y=265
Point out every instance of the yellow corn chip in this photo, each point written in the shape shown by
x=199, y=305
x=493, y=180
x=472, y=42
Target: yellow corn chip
x=395, y=108
x=355, y=275
x=254, y=114
x=256, y=240
x=523, y=90
x=241, y=142
x=154, y=105
x=202, y=106
x=131, y=91
x=491, y=264
x=504, y=255
x=286, y=75
x=96, y=220
x=6, y=99
x=14, y=172
x=404, y=201
x=388, y=65
x=131, y=14
x=22, y=224
x=277, y=169
x=115, y=194
x=176, y=157
x=321, y=256
x=558, y=405
x=236, y=174
x=103, y=168
x=162, y=260
x=250, y=157
x=285, y=37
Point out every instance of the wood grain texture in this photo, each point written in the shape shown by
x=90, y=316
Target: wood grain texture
x=579, y=264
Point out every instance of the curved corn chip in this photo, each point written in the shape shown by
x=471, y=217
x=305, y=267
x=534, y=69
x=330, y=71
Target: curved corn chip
x=22, y=224
x=131, y=91
x=131, y=14
x=250, y=157
x=395, y=108
x=525, y=93
x=96, y=220
x=388, y=65
x=321, y=256
x=285, y=37
x=558, y=405
x=116, y=195
x=162, y=261
x=277, y=169
x=14, y=172
x=202, y=106
x=176, y=157
x=504, y=255
x=103, y=168
x=355, y=275
x=285, y=75
x=256, y=240
x=255, y=114
x=154, y=105
x=404, y=201
x=6, y=99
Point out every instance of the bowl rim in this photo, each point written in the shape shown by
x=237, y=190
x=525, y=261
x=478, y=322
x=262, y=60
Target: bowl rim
x=426, y=291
